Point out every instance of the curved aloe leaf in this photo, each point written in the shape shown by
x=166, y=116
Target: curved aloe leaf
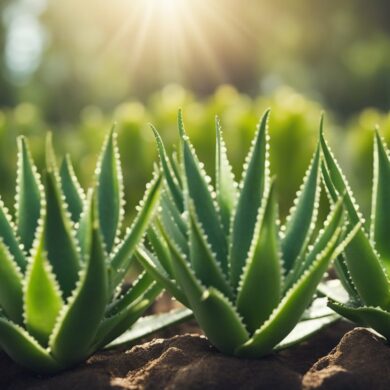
x=252, y=187
x=28, y=195
x=292, y=306
x=169, y=174
x=41, y=290
x=110, y=191
x=25, y=350
x=198, y=189
x=11, y=292
x=59, y=241
x=74, y=195
x=226, y=187
x=301, y=221
x=380, y=214
x=263, y=268
x=78, y=322
x=123, y=255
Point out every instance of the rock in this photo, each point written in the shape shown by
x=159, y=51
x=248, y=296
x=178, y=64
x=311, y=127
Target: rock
x=360, y=361
x=180, y=362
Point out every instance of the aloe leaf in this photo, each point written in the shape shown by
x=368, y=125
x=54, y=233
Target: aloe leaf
x=160, y=248
x=154, y=268
x=85, y=226
x=59, y=241
x=252, y=187
x=122, y=256
x=333, y=221
x=367, y=272
x=41, y=291
x=110, y=190
x=287, y=314
x=78, y=321
x=28, y=195
x=169, y=174
x=204, y=262
x=73, y=192
x=198, y=188
x=372, y=317
x=380, y=214
x=263, y=268
x=148, y=325
x=11, y=292
x=213, y=311
x=226, y=187
x=166, y=202
x=338, y=180
x=140, y=285
x=301, y=220
x=173, y=229
x=10, y=240
x=25, y=350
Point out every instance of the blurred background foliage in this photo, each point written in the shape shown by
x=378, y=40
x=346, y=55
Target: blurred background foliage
x=76, y=67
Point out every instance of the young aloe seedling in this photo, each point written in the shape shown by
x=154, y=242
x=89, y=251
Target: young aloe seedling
x=364, y=267
x=221, y=252
x=62, y=260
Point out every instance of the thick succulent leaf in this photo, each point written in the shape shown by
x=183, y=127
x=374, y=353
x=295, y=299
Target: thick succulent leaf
x=154, y=268
x=287, y=314
x=122, y=257
x=215, y=314
x=10, y=240
x=367, y=272
x=25, y=350
x=252, y=187
x=114, y=326
x=78, y=321
x=166, y=202
x=168, y=221
x=160, y=248
x=148, y=325
x=204, y=262
x=333, y=221
x=136, y=290
x=169, y=174
x=301, y=220
x=341, y=268
x=226, y=187
x=110, y=190
x=85, y=226
x=59, y=240
x=74, y=195
x=28, y=195
x=260, y=286
x=220, y=321
x=198, y=188
x=380, y=214
x=42, y=296
x=372, y=317
x=338, y=181
x=11, y=291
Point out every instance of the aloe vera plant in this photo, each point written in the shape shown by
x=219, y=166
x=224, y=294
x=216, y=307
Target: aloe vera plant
x=62, y=259
x=364, y=267
x=222, y=253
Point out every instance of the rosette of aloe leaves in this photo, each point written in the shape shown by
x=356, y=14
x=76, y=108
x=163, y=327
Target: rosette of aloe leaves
x=364, y=267
x=222, y=253
x=62, y=259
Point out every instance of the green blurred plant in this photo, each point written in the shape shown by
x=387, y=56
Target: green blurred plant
x=221, y=252
x=365, y=265
x=62, y=260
